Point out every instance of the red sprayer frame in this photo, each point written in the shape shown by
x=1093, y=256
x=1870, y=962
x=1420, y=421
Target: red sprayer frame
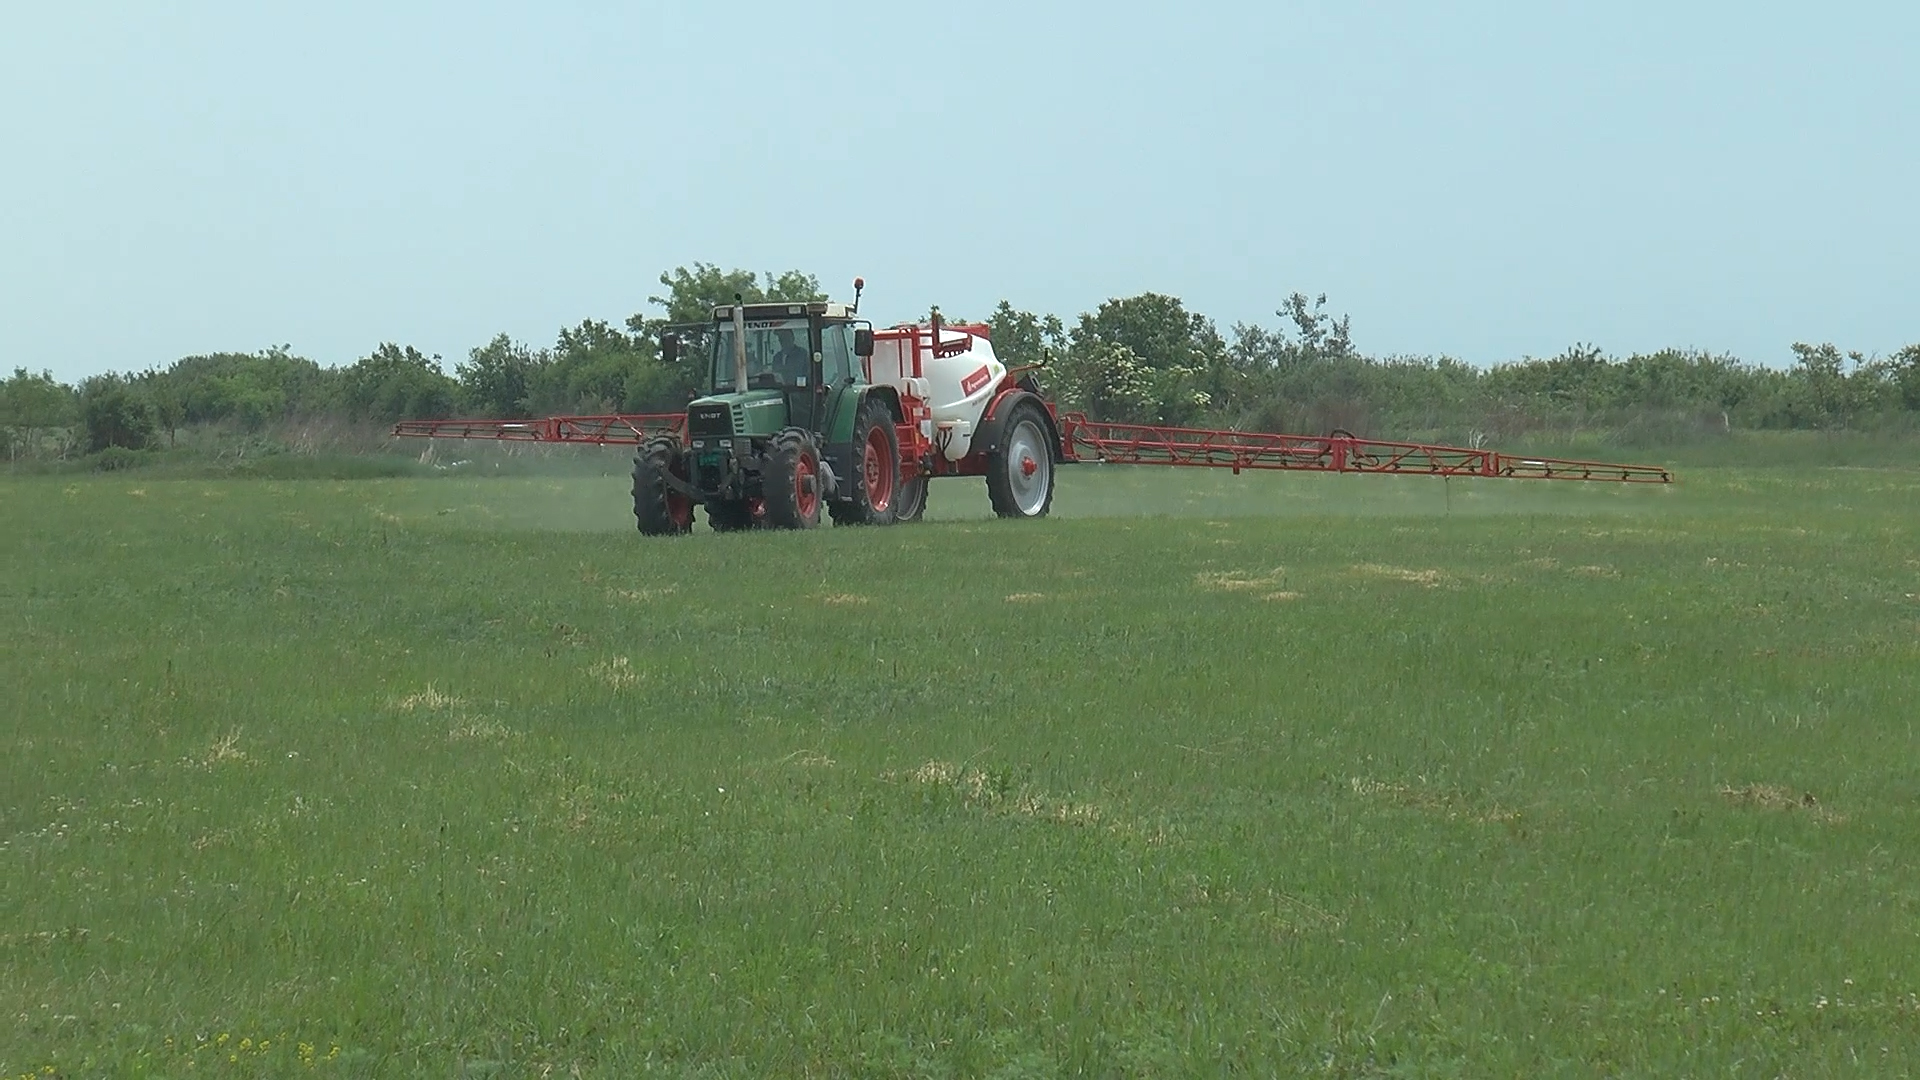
x=628, y=429
x=1140, y=444
x=1084, y=440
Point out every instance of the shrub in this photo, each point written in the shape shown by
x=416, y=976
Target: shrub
x=115, y=416
x=115, y=458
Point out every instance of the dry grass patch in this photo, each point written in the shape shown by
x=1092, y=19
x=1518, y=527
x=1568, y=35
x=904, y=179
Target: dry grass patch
x=224, y=751
x=1431, y=579
x=845, y=599
x=1776, y=797
x=1596, y=571
x=1241, y=580
x=428, y=700
x=1282, y=595
x=1280, y=912
x=617, y=672
x=997, y=794
x=1441, y=802
x=1025, y=597
x=211, y=839
x=640, y=596
x=480, y=729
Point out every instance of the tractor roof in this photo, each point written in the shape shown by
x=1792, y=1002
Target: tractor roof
x=783, y=310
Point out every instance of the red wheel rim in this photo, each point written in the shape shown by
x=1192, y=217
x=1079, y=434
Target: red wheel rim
x=879, y=470
x=680, y=511
x=804, y=498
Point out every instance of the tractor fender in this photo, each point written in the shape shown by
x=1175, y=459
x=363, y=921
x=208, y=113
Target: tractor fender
x=993, y=422
x=837, y=456
x=889, y=395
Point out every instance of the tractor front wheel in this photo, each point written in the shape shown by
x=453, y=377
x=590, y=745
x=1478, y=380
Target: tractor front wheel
x=1020, y=473
x=875, y=482
x=658, y=508
x=791, y=481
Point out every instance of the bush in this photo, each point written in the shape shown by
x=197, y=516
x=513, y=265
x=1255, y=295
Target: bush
x=115, y=459
x=115, y=416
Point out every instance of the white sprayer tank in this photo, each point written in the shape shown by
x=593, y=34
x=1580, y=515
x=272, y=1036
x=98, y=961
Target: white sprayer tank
x=958, y=389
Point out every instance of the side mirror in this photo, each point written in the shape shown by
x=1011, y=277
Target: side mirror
x=863, y=343
x=669, y=348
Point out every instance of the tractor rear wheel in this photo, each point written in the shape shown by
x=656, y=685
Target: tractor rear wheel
x=1020, y=472
x=875, y=482
x=911, y=502
x=658, y=509
x=791, y=481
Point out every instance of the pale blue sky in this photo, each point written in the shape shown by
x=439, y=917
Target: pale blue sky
x=1479, y=179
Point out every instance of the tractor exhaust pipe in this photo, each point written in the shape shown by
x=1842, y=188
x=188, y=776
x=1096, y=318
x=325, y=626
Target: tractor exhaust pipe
x=739, y=344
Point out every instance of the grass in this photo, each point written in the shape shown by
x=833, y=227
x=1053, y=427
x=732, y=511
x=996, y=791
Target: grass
x=1205, y=774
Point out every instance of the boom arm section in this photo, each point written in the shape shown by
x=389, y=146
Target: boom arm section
x=1140, y=444
x=629, y=429
x=1082, y=439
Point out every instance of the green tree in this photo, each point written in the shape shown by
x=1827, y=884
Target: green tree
x=1109, y=381
x=1820, y=371
x=1022, y=337
x=1159, y=330
x=394, y=383
x=498, y=378
x=693, y=294
x=1319, y=336
x=115, y=414
x=252, y=389
x=169, y=406
x=32, y=405
x=593, y=365
x=1904, y=368
x=1179, y=355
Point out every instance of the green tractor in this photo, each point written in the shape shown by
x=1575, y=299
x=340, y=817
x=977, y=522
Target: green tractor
x=788, y=428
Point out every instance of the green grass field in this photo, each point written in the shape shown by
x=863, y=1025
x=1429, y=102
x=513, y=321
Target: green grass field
x=1348, y=776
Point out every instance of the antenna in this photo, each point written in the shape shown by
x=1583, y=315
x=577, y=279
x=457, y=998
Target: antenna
x=858, y=284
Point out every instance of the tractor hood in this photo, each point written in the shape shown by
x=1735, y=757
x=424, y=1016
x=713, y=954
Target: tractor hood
x=753, y=412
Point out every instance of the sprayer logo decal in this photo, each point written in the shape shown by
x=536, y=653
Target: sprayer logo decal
x=975, y=381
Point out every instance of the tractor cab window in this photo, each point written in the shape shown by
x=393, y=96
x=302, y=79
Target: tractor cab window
x=777, y=355
x=836, y=353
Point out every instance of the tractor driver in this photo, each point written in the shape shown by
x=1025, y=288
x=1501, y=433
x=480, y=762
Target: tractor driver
x=790, y=362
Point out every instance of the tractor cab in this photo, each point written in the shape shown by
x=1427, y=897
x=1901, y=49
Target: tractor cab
x=782, y=342
x=771, y=367
x=775, y=365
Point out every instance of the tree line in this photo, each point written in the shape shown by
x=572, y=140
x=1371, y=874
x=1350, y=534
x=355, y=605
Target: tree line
x=1142, y=358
